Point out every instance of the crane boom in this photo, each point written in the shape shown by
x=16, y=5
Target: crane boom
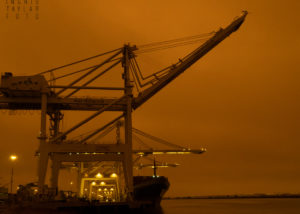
x=190, y=60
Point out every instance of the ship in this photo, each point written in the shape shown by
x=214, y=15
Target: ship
x=105, y=177
x=150, y=189
x=148, y=192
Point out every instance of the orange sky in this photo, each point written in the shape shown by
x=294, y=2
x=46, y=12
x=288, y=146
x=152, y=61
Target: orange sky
x=241, y=101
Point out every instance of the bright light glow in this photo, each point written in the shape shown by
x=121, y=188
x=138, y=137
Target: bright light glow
x=35, y=190
x=113, y=175
x=99, y=175
x=171, y=153
x=71, y=182
x=99, y=189
x=141, y=153
x=102, y=183
x=13, y=157
x=93, y=183
x=111, y=189
x=162, y=166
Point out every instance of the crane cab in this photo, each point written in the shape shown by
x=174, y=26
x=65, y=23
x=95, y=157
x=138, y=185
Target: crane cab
x=23, y=86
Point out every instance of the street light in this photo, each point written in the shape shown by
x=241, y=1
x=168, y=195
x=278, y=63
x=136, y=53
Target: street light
x=13, y=158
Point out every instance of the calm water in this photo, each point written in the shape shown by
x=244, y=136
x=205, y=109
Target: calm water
x=231, y=206
x=211, y=206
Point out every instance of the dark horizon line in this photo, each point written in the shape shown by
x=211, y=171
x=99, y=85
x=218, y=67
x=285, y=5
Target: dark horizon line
x=234, y=196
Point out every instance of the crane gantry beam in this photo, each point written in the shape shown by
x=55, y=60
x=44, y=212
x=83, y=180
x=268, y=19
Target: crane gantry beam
x=58, y=103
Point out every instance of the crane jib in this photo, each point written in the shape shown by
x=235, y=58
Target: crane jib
x=197, y=54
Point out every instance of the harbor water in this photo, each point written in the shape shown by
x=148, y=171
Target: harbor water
x=232, y=206
x=200, y=206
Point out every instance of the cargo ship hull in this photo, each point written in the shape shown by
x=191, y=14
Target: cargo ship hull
x=148, y=192
x=150, y=188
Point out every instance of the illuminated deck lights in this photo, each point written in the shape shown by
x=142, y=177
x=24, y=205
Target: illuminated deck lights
x=99, y=175
x=113, y=175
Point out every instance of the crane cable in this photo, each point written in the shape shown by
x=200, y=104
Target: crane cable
x=156, y=139
x=140, y=141
x=79, y=61
x=177, y=40
x=170, y=46
x=173, y=43
x=146, y=48
x=151, y=79
x=134, y=132
x=102, y=134
x=81, y=70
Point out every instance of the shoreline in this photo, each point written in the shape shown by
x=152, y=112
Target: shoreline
x=252, y=196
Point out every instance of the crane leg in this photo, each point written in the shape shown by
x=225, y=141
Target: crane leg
x=55, y=173
x=43, y=152
x=42, y=168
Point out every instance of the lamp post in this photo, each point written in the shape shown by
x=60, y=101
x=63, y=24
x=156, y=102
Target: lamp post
x=13, y=158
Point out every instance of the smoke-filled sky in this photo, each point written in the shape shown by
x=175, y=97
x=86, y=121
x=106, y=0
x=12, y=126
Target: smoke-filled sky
x=241, y=101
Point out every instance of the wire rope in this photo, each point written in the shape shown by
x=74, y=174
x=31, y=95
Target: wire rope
x=140, y=141
x=81, y=70
x=79, y=61
x=159, y=140
x=170, y=46
x=177, y=40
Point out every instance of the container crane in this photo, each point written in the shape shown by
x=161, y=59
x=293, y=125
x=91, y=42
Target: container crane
x=35, y=93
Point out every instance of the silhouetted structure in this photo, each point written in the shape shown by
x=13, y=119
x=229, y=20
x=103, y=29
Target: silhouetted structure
x=36, y=93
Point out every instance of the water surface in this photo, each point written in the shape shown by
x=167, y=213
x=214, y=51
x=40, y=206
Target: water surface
x=232, y=206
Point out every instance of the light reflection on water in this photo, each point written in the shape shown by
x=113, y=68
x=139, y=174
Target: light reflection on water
x=231, y=206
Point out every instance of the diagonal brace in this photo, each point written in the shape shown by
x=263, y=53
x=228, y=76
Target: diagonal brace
x=87, y=119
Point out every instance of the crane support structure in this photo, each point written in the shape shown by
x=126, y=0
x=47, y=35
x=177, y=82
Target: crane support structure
x=35, y=93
